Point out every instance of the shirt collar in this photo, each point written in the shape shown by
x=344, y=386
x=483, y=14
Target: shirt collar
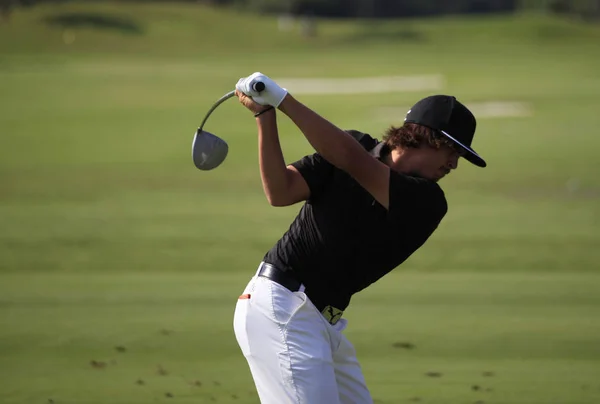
x=376, y=151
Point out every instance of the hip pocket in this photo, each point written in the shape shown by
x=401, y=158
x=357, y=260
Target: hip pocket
x=277, y=302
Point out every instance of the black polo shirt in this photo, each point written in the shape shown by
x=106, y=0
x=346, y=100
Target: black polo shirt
x=343, y=240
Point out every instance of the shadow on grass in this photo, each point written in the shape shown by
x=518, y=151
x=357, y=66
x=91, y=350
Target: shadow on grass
x=96, y=21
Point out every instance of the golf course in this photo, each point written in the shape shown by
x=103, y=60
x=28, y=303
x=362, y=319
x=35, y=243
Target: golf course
x=121, y=262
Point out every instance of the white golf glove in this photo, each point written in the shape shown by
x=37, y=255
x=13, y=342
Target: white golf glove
x=271, y=95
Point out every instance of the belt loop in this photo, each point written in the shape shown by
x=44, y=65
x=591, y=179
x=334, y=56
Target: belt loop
x=302, y=288
x=259, y=268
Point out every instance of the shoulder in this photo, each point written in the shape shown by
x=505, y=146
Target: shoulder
x=317, y=160
x=364, y=139
x=421, y=193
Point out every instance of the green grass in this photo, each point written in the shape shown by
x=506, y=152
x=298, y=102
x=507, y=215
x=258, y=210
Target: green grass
x=110, y=235
x=537, y=335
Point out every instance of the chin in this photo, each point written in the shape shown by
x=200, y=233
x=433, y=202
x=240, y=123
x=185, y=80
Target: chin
x=434, y=177
x=437, y=177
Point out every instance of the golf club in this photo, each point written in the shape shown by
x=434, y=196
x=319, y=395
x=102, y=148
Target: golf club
x=209, y=150
x=257, y=86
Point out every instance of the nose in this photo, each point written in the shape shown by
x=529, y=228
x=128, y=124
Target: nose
x=453, y=161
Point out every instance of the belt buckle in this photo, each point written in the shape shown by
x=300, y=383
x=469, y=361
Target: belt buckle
x=331, y=314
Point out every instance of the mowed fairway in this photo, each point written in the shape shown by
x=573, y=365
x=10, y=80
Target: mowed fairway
x=432, y=338
x=120, y=263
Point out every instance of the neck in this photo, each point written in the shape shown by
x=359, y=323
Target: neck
x=398, y=160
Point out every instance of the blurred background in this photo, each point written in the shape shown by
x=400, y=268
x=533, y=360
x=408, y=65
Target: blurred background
x=121, y=263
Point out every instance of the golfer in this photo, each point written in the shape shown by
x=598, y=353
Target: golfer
x=368, y=205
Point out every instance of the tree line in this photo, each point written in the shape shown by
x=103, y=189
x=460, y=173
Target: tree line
x=588, y=9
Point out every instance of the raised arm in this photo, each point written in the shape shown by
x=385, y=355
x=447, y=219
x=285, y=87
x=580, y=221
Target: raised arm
x=335, y=145
x=283, y=185
x=340, y=149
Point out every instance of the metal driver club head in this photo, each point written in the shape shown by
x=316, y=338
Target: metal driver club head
x=208, y=150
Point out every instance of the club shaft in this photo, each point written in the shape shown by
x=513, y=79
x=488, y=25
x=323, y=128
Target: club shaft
x=257, y=86
x=215, y=105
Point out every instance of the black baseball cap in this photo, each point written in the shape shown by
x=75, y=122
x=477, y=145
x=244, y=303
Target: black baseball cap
x=445, y=114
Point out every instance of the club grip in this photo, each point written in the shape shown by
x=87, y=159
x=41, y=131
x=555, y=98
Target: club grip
x=258, y=86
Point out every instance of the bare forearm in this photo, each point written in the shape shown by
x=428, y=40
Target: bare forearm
x=334, y=144
x=273, y=170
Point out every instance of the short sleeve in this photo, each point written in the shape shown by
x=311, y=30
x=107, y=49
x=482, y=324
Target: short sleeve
x=416, y=197
x=316, y=171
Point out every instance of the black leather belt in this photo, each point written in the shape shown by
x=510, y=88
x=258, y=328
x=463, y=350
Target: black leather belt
x=284, y=278
x=287, y=280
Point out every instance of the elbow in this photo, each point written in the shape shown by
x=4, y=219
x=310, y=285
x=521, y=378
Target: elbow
x=277, y=201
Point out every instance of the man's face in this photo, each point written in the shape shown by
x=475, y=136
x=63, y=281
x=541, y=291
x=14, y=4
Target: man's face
x=433, y=164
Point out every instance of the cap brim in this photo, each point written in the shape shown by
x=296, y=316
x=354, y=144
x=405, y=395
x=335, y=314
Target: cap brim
x=470, y=154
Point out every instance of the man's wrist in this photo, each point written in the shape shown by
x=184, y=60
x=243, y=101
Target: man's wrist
x=284, y=102
x=266, y=110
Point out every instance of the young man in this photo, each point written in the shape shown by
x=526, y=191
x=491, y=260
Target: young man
x=368, y=206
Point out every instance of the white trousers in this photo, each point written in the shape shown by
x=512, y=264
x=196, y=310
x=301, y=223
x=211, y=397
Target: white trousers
x=295, y=355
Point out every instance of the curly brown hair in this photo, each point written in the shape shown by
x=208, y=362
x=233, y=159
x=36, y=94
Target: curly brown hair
x=412, y=135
